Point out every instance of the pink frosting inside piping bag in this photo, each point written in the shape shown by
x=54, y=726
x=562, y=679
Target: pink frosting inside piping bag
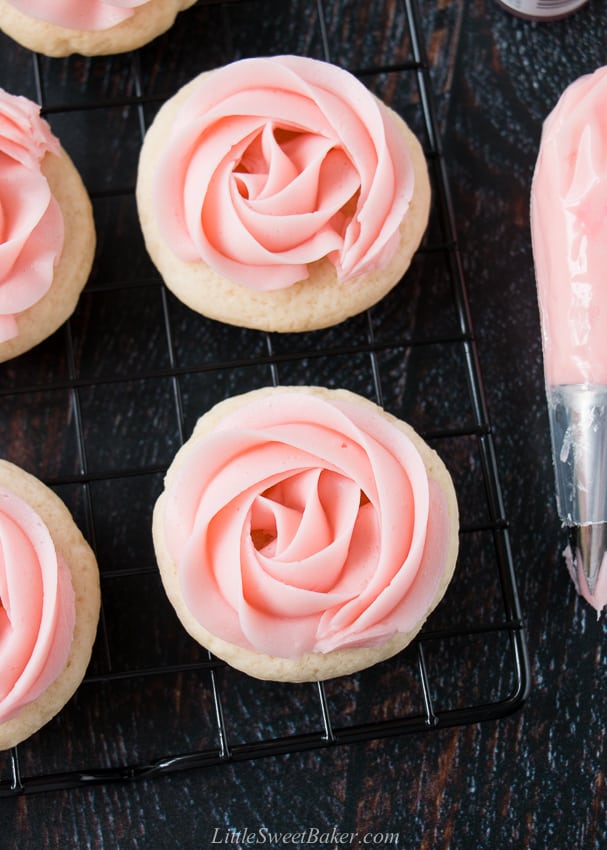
x=300, y=524
x=569, y=233
x=37, y=611
x=569, y=230
x=31, y=223
x=79, y=14
x=274, y=163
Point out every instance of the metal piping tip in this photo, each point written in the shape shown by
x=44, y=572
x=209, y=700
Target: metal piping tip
x=589, y=544
x=578, y=426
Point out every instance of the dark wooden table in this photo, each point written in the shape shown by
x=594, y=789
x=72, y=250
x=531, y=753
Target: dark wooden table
x=92, y=411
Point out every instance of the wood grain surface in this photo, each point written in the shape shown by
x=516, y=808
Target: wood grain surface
x=534, y=779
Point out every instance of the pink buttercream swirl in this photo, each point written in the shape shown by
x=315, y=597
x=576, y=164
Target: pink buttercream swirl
x=79, y=14
x=275, y=163
x=36, y=606
x=31, y=222
x=300, y=524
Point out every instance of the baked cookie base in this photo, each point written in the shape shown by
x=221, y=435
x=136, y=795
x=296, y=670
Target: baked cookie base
x=149, y=21
x=313, y=666
x=317, y=302
x=73, y=269
x=85, y=581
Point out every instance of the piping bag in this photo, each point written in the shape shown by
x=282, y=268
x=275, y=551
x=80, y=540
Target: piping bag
x=569, y=239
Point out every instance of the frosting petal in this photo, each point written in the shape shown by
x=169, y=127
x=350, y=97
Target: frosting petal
x=37, y=611
x=275, y=163
x=79, y=14
x=301, y=524
x=31, y=222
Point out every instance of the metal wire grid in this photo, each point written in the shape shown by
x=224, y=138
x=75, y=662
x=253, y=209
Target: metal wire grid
x=319, y=715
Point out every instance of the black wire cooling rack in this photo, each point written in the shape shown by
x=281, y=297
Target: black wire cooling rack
x=99, y=410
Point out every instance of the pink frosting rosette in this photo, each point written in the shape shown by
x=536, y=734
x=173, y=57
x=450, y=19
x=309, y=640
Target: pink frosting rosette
x=31, y=222
x=79, y=14
x=300, y=524
x=37, y=611
x=275, y=163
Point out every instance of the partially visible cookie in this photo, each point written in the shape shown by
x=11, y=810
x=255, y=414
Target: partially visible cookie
x=280, y=194
x=305, y=533
x=88, y=27
x=47, y=232
x=49, y=604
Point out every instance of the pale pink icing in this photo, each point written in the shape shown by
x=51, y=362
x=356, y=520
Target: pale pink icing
x=300, y=524
x=569, y=230
x=36, y=606
x=569, y=233
x=31, y=222
x=274, y=163
x=79, y=14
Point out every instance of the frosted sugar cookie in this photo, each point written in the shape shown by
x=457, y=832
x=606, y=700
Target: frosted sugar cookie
x=49, y=604
x=89, y=27
x=47, y=232
x=281, y=194
x=305, y=533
